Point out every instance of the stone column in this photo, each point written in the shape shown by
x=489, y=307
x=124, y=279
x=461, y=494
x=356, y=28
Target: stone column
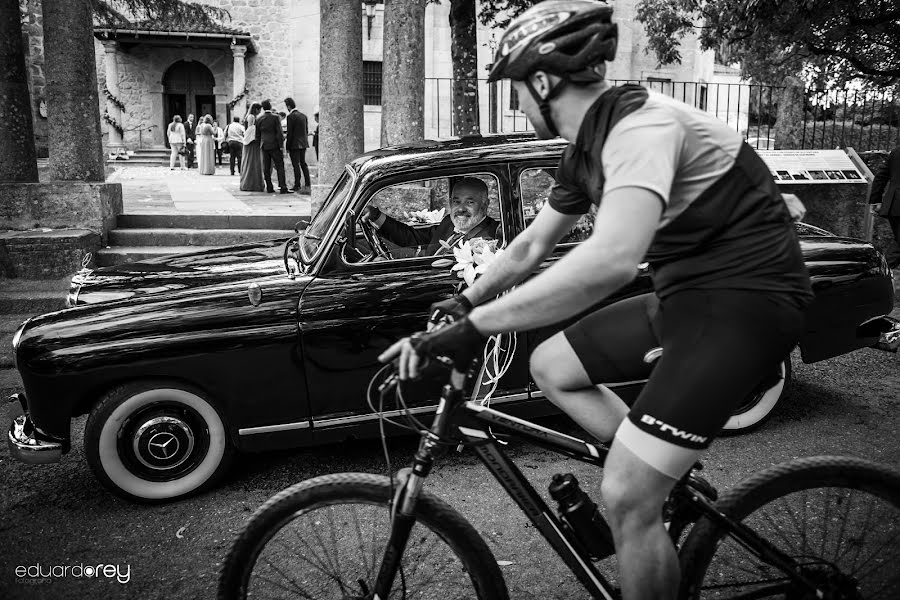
x=19, y=162
x=110, y=49
x=403, y=80
x=340, y=93
x=76, y=150
x=239, y=78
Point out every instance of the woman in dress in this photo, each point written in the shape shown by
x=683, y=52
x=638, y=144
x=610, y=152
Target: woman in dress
x=251, y=161
x=206, y=160
x=176, y=141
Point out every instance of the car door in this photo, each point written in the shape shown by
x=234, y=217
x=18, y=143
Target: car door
x=532, y=181
x=354, y=310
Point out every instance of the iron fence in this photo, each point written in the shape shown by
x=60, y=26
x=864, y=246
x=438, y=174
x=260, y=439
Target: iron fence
x=864, y=119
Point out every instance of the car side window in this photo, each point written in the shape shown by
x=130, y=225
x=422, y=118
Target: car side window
x=418, y=216
x=535, y=185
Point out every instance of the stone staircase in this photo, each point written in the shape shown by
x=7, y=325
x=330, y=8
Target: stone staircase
x=138, y=237
x=146, y=157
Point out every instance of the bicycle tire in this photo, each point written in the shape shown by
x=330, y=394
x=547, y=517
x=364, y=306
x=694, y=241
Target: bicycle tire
x=331, y=494
x=712, y=564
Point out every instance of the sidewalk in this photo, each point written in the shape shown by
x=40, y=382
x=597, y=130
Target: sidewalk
x=159, y=190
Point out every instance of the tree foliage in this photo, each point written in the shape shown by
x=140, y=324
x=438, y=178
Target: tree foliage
x=121, y=13
x=836, y=41
x=501, y=12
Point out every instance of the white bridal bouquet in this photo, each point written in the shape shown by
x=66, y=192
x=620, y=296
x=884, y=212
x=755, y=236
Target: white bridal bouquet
x=428, y=217
x=472, y=258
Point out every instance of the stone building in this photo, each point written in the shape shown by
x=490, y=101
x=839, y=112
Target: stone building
x=270, y=49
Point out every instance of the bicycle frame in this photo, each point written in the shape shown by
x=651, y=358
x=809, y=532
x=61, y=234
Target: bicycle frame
x=472, y=424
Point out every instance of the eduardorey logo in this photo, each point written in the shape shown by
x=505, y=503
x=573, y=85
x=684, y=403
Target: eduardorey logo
x=36, y=574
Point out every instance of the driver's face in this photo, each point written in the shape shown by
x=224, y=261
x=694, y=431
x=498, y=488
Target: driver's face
x=468, y=205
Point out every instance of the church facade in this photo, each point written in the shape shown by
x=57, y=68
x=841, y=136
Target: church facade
x=270, y=49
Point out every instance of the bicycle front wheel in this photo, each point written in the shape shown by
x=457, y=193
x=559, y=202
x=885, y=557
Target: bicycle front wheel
x=837, y=517
x=325, y=538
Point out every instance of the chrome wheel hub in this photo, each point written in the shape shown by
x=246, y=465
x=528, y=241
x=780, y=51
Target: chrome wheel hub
x=163, y=442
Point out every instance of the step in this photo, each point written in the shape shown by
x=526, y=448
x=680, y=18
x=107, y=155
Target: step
x=22, y=298
x=31, y=303
x=107, y=257
x=284, y=222
x=193, y=237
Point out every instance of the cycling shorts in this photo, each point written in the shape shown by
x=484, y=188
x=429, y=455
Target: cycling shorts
x=718, y=346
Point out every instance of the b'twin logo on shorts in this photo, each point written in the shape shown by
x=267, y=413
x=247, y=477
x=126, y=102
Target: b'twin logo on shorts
x=674, y=431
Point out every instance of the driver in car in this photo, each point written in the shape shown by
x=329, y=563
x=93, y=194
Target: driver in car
x=466, y=219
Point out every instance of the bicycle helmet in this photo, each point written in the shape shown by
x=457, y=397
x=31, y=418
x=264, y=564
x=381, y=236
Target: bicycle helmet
x=567, y=38
x=564, y=37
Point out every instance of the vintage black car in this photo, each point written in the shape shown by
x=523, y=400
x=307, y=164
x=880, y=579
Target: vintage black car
x=180, y=361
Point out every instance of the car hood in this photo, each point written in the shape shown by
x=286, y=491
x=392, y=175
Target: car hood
x=177, y=272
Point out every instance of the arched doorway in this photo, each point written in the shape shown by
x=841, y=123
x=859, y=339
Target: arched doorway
x=188, y=88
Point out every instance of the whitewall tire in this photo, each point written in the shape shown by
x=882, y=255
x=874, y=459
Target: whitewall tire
x=156, y=441
x=762, y=402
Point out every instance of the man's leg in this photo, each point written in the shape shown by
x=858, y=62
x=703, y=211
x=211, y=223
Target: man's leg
x=295, y=157
x=559, y=373
x=278, y=157
x=893, y=253
x=634, y=493
x=304, y=167
x=267, y=169
x=607, y=346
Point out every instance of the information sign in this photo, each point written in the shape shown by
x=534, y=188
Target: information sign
x=811, y=166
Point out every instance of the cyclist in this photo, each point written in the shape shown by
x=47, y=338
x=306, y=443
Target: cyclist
x=675, y=187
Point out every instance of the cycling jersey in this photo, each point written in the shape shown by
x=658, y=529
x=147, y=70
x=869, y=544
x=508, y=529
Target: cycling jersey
x=725, y=262
x=723, y=223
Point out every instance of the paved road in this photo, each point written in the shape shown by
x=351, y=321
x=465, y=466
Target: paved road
x=58, y=515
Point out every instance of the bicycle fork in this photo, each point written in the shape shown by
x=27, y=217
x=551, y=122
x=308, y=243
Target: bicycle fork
x=411, y=481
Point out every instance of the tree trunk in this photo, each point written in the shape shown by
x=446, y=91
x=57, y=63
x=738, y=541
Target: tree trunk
x=19, y=158
x=341, y=131
x=788, y=129
x=403, y=78
x=76, y=149
x=464, y=53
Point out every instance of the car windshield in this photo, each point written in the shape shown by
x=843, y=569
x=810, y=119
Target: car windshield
x=315, y=232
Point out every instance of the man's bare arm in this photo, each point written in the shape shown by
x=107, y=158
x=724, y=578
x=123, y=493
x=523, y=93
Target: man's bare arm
x=625, y=226
x=523, y=255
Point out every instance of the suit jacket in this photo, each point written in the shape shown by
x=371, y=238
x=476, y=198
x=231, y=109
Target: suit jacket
x=297, y=132
x=190, y=131
x=429, y=237
x=888, y=176
x=268, y=131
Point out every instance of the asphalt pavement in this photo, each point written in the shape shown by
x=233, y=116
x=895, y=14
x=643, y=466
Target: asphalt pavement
x=59, y=515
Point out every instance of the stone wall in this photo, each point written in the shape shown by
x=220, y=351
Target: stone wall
x=141, y=72
x=60, y=205
x=33, y=33
x=270, y=72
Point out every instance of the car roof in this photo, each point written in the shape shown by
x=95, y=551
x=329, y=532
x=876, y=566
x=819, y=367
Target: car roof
x=449, y=152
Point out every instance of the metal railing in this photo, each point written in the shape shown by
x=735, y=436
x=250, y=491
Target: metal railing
x=865, y=120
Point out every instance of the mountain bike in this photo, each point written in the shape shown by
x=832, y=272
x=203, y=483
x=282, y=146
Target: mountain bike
x=825, y=527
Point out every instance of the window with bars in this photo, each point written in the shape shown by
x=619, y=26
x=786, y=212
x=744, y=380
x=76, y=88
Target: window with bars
x=372, y=82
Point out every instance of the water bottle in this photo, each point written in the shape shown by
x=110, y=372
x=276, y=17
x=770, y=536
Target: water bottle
x=581, y=516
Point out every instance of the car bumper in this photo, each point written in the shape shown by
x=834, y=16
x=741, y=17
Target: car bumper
x=889, y=334
x=24, y=444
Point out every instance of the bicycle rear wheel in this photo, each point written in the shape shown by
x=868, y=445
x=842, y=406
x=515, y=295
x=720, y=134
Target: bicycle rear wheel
x=325, y=538
x=838, y=517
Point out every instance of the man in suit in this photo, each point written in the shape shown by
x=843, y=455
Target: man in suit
x=297, y=143
x=190, y=137
x=466, y=219
x=271, y=140
x=886, y=202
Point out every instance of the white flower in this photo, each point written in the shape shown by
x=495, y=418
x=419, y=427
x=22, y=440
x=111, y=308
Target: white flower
x=472, y=263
